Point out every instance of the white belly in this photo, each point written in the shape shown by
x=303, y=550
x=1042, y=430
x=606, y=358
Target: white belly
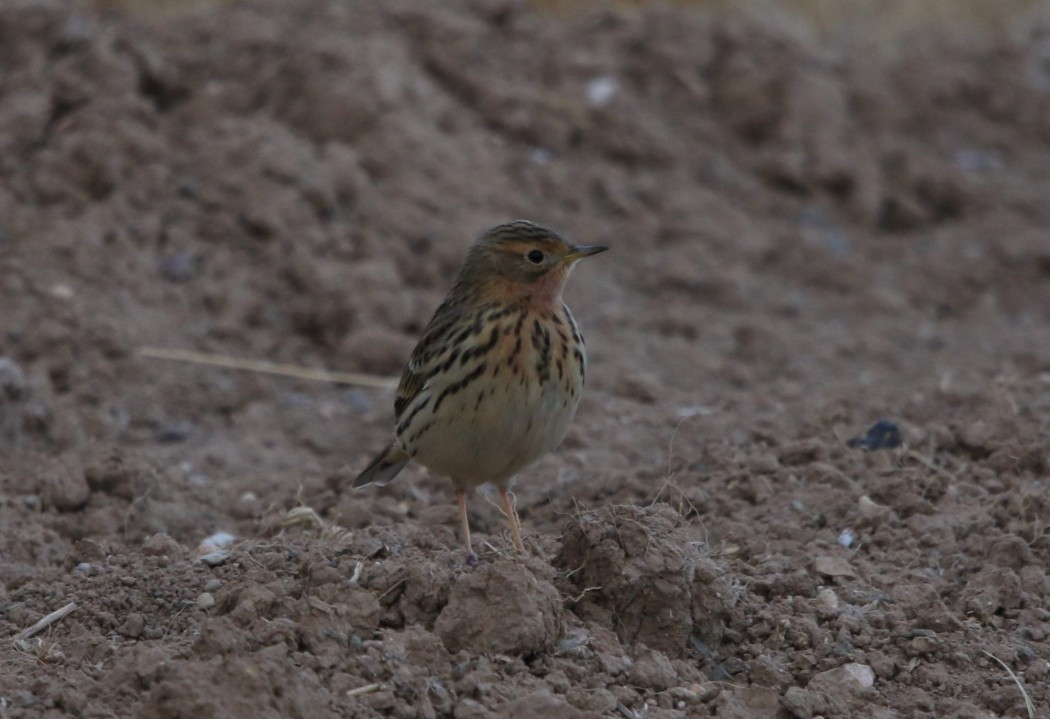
x=491, y=432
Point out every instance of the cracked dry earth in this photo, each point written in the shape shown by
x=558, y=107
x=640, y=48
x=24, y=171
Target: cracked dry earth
x=809, y=237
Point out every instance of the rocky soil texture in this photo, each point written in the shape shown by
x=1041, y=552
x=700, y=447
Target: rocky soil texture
x=809, y=237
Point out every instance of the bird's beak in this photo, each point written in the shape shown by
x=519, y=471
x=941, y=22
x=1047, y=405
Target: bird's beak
x=580, y=251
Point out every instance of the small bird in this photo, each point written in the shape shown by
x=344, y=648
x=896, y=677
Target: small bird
x=496, y=378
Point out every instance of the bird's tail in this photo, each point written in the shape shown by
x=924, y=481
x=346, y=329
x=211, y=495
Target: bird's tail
x=384, y=467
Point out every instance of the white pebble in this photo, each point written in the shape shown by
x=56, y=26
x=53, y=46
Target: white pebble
x=695, y=410
x=540, y=155
x=866, y=503
x=219, y=540
x=600, y=90
x=846, y=538
x=861, y=673
x=852, y=675
x=62, y=291
x=214, y=559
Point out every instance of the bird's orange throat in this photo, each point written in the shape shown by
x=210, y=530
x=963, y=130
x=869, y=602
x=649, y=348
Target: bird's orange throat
x=543, y=294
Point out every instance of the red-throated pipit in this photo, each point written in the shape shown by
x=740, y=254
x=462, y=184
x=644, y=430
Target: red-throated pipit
x=494, y=383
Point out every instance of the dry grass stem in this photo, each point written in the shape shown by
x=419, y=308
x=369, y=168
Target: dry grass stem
x=265, y=367
x=366, y=689
x=1020, y=686
x=47, y=621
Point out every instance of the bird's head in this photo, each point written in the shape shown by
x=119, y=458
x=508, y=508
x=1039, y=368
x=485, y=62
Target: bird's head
x=522, y=261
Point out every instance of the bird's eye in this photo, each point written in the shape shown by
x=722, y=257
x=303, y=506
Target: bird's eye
x=535, y=256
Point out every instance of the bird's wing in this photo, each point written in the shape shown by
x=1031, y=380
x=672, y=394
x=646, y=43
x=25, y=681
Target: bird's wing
x=430, y=351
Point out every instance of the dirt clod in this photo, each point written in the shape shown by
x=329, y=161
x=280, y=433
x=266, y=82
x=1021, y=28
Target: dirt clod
x=501, y=607
x=647, y=575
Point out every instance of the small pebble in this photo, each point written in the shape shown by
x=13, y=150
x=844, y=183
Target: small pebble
x=846, y=538
x=833, y=567
x=212, y=549
x=867, y=505
x=12, y=379
x=848, y=676
x=540, y=155
x=359, y=400
x=600, y=90
x=214, y=559
x=921, y=645
x=212, y=585
x=247, y=506
x=62, y=291
x=695, y=410
x=882, y=435
x=872, y=513
x=205, y=600
x=219, y=540
x=684, y=696
x=174, y=432
x=178, y=266
x=860, y=673
x=705, y=692
x=827, y=600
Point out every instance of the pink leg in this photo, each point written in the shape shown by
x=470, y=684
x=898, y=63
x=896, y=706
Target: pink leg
x=512, y=515
x=461, y=498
